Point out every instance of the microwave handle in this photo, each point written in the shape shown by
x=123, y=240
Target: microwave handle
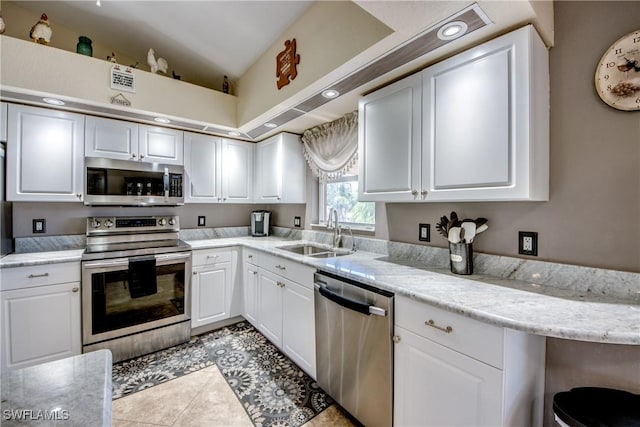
x=165, y=180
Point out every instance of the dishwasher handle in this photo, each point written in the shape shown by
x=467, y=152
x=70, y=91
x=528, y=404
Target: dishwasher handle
x=354, y=305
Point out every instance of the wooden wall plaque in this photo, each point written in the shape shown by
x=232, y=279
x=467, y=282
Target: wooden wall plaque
x=286, y=64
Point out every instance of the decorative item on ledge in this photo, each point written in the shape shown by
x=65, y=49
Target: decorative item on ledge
x=84, y=46
x=460, y=235
x=41, y=32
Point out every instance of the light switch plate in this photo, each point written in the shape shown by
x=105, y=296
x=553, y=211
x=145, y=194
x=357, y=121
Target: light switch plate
x=40, y=225
x=424, y=233
x=201, y=221
x=296, y=221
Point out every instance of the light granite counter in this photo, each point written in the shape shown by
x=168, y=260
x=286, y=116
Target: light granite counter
x=518, y=294
x=40, y=258
x=75, y=391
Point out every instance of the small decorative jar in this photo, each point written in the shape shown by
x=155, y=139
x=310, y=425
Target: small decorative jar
x=84, y=46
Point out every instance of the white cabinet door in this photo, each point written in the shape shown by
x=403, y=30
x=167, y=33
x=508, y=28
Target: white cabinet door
x=237, y=171
x=45, y=155
x=268, y=170
x=270, y=306
x=280, y=170
x=486, y=122
x=3, y=122
x=211, y=294
x=250, y=294
x=202, y=168
x=389, y=137
x=40, y=324
x=298, y=326
x=114, y=139
x=161, y=145
x=436, y=386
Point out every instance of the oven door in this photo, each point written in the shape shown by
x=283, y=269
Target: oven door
x=123, y=296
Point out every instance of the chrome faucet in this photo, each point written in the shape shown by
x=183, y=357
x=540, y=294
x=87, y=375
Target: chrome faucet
x=332, y=223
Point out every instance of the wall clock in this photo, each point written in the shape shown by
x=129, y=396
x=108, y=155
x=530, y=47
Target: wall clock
x=618, y=73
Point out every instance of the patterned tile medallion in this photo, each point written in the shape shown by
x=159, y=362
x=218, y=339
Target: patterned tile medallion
x=272, y=389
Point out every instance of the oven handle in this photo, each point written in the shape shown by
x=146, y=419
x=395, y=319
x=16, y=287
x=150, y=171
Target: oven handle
x=170, y=257
x=109, y=263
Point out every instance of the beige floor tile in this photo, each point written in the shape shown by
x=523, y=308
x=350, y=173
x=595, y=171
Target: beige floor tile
x=215, y=405
x=161, y=404
x=333, y=416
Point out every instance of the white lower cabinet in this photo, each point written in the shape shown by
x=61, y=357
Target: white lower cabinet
x=40, y=312
x=278, y=301
x=451, y=370
x=215, y=294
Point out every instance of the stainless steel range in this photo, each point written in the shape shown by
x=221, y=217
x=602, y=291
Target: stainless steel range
x=136, y=284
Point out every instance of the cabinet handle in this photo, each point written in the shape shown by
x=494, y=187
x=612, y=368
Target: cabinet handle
x=75, y=289
x=424, y=194
x=79, y=196
x=250, y=256
x=254, y=272
x=33, y=276
x=431, y=323
x=414, y=193
x=195, y=273
x=395, y=339
x=279, y=267
x=280, y=284
x=212, y=256
x=141, y=156
x=133, y=155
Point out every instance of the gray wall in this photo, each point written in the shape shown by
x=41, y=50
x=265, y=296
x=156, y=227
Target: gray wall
x=593, y=215
x=70, y=218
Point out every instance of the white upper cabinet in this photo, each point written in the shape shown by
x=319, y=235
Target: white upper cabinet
x=121, y=140
x=202, y=168
x=280, y=170
x=237, y=171
x=390, y=142
x=114, y=139
x=3, y=121
x=160, y=145
x=218, y=170
x=486, y=122
x=478, y=132
x=45, y=155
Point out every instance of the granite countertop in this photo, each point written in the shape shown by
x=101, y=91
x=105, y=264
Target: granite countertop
x=75, y=391
x=526, y=306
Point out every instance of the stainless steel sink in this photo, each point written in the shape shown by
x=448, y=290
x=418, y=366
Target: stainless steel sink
x=314, y=251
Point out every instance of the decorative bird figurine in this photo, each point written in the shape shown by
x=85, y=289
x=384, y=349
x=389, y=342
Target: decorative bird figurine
x=41, y=31
x=175, y=76
x=156, y=65
x=112, y=58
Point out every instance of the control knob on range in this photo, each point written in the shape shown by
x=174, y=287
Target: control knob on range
x=172, y=221
x=95, y=223
x=162, y=222
x=108, y=223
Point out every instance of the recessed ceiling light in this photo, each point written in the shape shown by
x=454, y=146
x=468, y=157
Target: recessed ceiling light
x=452, y=30
x=330, y=93
x=270, y=125
x=53, y=101
x=162, y=120
x=234, y=133
x=98, y=3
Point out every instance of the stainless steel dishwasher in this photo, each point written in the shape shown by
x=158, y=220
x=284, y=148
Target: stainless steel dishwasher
x=354, y=351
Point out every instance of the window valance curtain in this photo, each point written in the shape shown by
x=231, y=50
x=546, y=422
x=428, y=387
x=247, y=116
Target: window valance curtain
x=331, y=149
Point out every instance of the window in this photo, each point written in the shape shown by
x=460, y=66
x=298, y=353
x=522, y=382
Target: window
x=342, y=194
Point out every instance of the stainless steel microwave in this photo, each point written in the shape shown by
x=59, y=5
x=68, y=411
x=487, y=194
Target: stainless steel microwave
x=132, y=183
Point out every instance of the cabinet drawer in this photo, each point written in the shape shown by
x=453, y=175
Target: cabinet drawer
x=211, y=256
x=38, y=275
x=288, y=269
x=479, y=340
x=251, y=256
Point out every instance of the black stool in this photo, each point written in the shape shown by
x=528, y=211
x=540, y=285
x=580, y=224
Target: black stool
x=597, y=407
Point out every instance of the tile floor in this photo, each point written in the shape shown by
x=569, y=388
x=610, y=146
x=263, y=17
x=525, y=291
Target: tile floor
x=202, y=398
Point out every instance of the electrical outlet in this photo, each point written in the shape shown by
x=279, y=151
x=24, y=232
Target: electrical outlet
x=528, y=243
x=296, y=221
x=424, y=233
x=201, y=221
x=39, y=225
